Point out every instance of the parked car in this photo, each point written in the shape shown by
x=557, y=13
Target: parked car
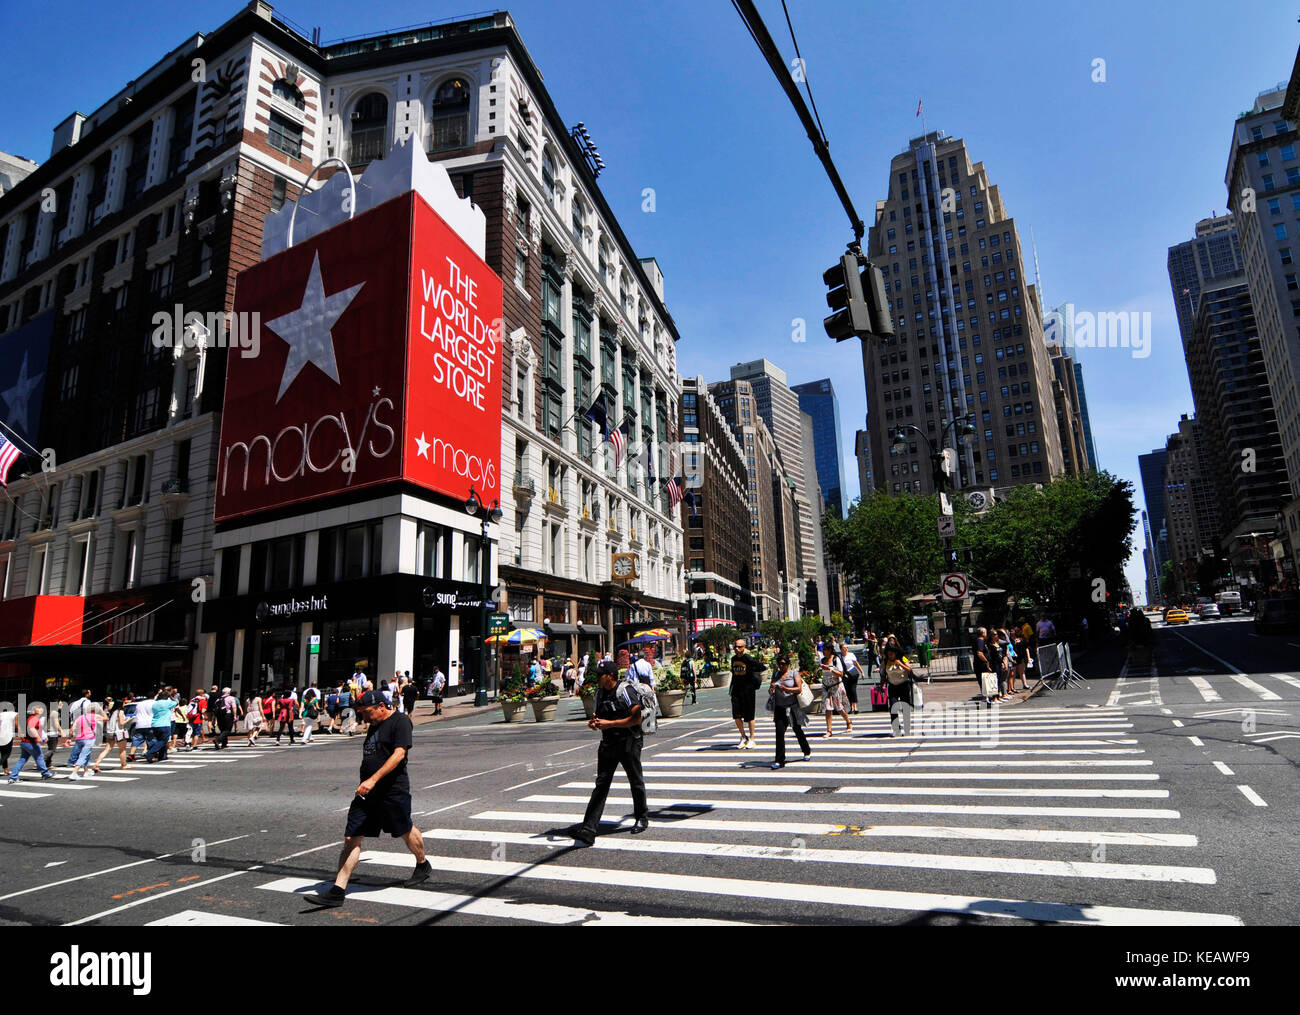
x=1174, y=615
x=1209, y=611
x=1278, y=616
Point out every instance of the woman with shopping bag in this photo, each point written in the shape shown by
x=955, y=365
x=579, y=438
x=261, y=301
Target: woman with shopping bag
x=787, y=697
x=834, y=697
x=900, y=681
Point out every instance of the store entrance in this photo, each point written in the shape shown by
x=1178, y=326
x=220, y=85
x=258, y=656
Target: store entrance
x=275, y=658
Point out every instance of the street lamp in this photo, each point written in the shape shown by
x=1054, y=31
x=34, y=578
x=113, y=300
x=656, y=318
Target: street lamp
x=475, y=507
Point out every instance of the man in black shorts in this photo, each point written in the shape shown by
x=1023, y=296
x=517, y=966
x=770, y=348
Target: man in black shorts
x=383, y=800
x=745, y=682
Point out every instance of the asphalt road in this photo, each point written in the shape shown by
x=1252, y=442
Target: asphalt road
x=1149, y=800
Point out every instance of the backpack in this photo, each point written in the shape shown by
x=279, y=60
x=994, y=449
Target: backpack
x=633, y=692
x=311, y=709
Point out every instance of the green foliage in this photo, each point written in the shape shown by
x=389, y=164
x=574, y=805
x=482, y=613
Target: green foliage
x=721, y=637
x=840, y=627
x=669, y=680
x=513, y=689
x=1027, y=543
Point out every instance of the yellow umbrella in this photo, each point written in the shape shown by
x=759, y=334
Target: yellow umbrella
x=519, y=636
x=657, y=632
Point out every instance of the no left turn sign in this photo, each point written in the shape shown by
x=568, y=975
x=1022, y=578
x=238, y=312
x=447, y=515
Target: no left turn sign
x=954, y=586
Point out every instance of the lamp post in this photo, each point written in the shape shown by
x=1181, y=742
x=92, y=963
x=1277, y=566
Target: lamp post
x=475, y=507
x=963, y=428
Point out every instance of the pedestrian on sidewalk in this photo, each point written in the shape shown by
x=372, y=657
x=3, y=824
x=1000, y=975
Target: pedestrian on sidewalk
x=688, y=676
x=982, y=662
x=852, y=674
x=898, y=679
x=310, y=713
x=617, y=716
x=644, y=668
x=783, y=702
x=8, y=733
x=33, y=745
x=115, y=734
x=255, y=720
x=410, y=695
x=382, y=802
x=195, y=712
x=214, y=696
x=268, y=709
x=997, y=656
x=436, y=686
x=834, y=697
x=746, y=679
x=873, y=654
x=228, y=713
x=54, y=733
x=286, y=713
x=1020, y=655
x=568, y=675
x=84, y=729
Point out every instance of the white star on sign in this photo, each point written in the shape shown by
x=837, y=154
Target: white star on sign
x=375, y=392
x=17, y=399
x=422, y=446
x=307, y=329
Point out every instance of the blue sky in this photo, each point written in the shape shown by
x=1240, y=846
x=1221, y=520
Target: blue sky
x=677, y=98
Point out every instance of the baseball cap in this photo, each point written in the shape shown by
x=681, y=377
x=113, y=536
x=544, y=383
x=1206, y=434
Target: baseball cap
x=371, y=699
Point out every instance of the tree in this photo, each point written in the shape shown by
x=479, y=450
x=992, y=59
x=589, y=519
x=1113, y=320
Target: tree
x=839, y=626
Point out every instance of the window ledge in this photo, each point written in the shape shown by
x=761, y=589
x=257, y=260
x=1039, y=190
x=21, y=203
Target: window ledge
x=523, y=292
x=199, y=279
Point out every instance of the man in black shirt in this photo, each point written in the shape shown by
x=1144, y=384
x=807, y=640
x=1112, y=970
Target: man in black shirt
x=745, y=682
x=618, y=717
x=982, y=663
x=383, y=800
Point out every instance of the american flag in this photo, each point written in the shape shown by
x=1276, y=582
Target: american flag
x=694, y=502
x=918, y=107
x=674, y=493
x=597, y=414
x=648, y=463
x=618, y=437
x=9, y=454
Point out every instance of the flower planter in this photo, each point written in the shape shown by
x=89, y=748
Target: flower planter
x=702, y=682
x=670, y=703
x=589, y=705
x=818, y=705
x=544, y=708
x=721, y=678
x=513, y=711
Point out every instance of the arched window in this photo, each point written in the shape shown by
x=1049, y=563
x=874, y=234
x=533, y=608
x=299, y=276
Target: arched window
x=449, y=117
x=548, y=175
x=369, y=126
x=282, y=89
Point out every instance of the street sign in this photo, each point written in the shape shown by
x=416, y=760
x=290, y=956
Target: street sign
x=945, y=504
x=954, y=586
x=947, y=526
x=498, y=623
x=313, y=645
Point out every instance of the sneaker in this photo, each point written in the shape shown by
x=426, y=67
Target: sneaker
x=73, y=777
x=807, y=757
x=46, y=775
x=12, y=779
x=642, y=824
x=777, y=764
x=742, y=745
x=332, y=898
x=420, y=875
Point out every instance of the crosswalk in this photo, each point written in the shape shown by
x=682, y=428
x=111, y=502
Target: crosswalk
x=1132, y=691
x=31, y=786
x=1043, y=815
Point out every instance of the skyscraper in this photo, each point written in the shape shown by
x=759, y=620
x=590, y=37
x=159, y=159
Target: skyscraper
x=779, y=408
x=968, y=334
x=1263, y=179
x=1191, y=514
x=1152, y=468
x=1083, y=412
x=817, y=399
x=862, y=449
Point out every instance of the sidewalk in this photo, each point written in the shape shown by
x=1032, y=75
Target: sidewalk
x=1101, y=662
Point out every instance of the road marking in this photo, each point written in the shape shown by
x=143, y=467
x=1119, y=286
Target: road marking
x=1240, y=711
x=1275, y=735
x=19, y=793
x=449, y=807
x=1252, y=796
x=745, y=851
x=198, y=918
x=834, y=895
x=963, y=832
x=841, y=806
x=448, y=782
x=568, y=750
x=495, y=908
x=1258, y=689
x=1286, y=678
x=197, y=884
x=1222, y=662
x=1223, y=768
x=1196, y=741
x=920, y=749
x=1176, y=722
x=550, y=775
x=1207, y=692
x=896, y=766
x=812, y=770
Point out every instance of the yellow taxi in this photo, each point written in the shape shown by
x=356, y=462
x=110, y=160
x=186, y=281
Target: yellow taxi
x=1176, y=616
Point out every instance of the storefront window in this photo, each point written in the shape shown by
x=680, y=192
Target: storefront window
x=344, y=644
x=556, y=610
x=348, y=552
x=434, y=551
x=522, y=606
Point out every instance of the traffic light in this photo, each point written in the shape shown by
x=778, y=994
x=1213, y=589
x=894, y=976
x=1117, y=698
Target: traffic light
x=852, y=318
x=857, y=294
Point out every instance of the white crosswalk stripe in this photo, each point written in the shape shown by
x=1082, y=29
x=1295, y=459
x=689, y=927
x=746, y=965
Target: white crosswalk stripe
x=1051, y=823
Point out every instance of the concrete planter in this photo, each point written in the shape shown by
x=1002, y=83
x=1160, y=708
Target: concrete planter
x=513, y=711
x=670, y=703
x=702, y=682
x=589, y=706
x=721, y=678
x=818, y=706
x=544, y=708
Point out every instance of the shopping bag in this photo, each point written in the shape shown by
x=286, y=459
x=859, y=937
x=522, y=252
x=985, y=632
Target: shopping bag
x=879, y=699
x=989, y=685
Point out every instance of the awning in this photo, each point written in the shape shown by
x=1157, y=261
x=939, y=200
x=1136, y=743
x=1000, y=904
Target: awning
x=561, y=629
x=595, y=629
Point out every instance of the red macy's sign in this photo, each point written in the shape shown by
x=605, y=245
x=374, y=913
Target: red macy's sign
x=380, y=360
